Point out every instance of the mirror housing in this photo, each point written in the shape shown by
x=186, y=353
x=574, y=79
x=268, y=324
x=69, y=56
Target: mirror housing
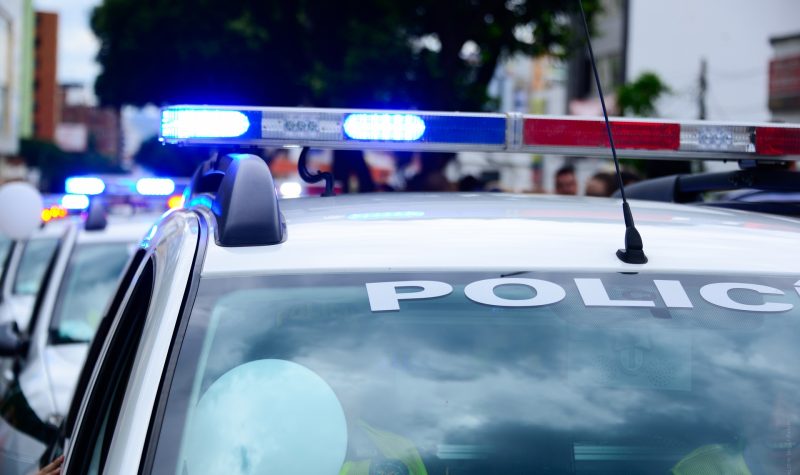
x=12, y=343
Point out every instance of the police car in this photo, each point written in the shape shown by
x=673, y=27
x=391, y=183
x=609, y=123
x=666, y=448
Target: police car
x=445, y=333
x=73, y=265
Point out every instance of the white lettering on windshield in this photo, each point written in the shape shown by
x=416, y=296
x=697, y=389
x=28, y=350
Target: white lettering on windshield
x=594, y=294
x=673, y=293
x=384, y=297
x=718, y=294
x=547, y=293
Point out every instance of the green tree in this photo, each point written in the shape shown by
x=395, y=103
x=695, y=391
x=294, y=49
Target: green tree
x=639, y=97
x=319, y=52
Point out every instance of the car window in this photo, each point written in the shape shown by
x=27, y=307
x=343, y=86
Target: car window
x=89, y=281
x=105, y=398
x=605, y=374
x=33, y=265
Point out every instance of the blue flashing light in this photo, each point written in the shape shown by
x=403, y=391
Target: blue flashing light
x=203, y=123
x=155, y=186
x=201, y=200
x=84, y=185
x=74, y=202
x=396, y=127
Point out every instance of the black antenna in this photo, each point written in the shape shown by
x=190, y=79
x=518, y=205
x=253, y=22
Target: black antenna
x=310, y=178
x=634, y=250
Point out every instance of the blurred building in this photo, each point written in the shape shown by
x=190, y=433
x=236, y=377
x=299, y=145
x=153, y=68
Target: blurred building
x=45, y=87
x=784, y=78
x=84, y=127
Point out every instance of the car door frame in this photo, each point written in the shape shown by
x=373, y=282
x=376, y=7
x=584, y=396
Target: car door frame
x=176, y=249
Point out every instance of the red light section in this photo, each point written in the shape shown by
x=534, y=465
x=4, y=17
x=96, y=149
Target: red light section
x=777, y=141
x=592, y=133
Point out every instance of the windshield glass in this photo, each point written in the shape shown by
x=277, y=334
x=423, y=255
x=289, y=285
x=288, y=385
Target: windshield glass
x=477, y=374
x=33, y=265
x=89, y=283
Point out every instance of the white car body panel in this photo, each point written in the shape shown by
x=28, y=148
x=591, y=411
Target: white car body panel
x=415, y=232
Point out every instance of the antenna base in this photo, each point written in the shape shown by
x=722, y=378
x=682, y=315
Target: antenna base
x=632, y=256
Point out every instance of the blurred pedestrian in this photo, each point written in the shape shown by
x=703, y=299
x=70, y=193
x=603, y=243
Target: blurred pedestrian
x=601, y=184
x=629, y=177
x=566, y=183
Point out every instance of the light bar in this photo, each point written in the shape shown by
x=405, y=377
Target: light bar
x=457, y=132
x=75, y=202
x=155, y=186
x=184, y=123
x=84, y=185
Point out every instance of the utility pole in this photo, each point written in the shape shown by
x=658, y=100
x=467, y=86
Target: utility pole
x=703, y=86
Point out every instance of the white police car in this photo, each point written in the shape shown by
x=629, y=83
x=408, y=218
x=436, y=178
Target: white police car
x=445, y=334
x=75, y=266
x=24, y=271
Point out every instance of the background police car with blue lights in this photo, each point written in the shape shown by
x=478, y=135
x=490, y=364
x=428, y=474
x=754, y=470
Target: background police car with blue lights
x=447, y=333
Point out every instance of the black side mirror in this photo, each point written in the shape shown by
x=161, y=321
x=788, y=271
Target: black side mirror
x=12, y=343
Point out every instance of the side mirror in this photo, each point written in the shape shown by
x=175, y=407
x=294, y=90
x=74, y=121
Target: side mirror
x=12, y=342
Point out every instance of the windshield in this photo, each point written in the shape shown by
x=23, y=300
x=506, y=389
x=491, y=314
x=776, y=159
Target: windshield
x=33, y=265
x=474, y=374
x=89, y=283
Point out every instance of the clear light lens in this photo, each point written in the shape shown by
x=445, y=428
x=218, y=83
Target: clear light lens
x=291, y=189
x=310, y=126
x=724, y=138
x=203, y=123
x=75, y=201
x=399, y=127
x=84, y=185
x=155, y=186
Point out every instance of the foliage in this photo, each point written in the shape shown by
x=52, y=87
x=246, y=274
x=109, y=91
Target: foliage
x=639, y=97
x=169, y=160
x=318, y=52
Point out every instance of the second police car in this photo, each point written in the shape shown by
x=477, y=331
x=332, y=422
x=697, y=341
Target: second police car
x=70, y=267
x=445, y=334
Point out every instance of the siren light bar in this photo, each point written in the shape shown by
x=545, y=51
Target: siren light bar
x=456, y=132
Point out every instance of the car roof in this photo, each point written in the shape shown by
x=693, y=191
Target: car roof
x=473, y=231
